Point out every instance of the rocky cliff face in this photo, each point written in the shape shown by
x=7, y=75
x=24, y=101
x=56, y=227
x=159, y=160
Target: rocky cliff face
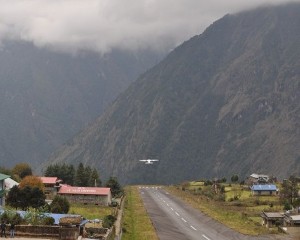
x=47, y=97
x=224, y=102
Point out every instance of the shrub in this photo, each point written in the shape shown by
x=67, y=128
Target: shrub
x=17, y=219
x=236, y=197
x=208, y=183
x=108, y=221
x=277, y=223
x=220, y=197
x=60, y=205
x=287, y=206
x=5, y=217
x=48, y=221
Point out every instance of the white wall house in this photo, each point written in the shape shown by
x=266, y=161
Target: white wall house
x=2, y=188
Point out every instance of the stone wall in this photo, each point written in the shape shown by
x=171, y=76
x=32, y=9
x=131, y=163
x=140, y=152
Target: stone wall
x=66, y=233
x=36, y=231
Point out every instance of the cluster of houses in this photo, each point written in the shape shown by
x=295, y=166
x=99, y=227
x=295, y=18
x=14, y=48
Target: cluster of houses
x=287, y=219
x=54, y=186
x=260, y=185
x=66, y=226
x=263, y=185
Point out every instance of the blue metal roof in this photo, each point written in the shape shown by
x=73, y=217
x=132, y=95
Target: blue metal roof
x=270, y=187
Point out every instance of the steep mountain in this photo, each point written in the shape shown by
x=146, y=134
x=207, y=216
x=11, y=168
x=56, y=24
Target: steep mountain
x=224, y=102
x=47, y=97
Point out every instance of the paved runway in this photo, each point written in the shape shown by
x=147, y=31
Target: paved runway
x=175, y=220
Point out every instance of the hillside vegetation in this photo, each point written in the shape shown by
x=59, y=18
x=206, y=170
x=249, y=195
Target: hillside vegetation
x=47, y=97
x=225, y=101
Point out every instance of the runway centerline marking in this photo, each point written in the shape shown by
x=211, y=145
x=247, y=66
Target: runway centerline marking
x=177, y=213
x=172, y=209
x=183, y=220
x=205, y=237
x=194, y=228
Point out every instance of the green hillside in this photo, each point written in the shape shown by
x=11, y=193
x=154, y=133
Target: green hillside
x=225, y=101
x=47, y=97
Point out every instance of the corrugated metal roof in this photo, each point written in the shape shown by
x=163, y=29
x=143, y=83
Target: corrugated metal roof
x=295, y=217
x=273, y=214
x=270, y=187
x=255, y=175
x=49, y=180
x=84, y=190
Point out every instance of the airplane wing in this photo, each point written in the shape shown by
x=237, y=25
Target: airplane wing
x=149, y=161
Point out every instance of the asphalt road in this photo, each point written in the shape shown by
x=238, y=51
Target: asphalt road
x=175, y=220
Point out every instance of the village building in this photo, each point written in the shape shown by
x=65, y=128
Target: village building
x=264, y=190
x=257, y=179
x=292, y=220
x=86, y=195
x=52, y=185
x=10, y=183
x=2, y=188
x=272, y=219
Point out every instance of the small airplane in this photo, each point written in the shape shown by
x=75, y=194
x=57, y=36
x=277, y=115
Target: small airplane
x=149, y=161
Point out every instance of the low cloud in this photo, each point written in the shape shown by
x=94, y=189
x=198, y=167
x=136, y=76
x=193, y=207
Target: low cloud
x=102, y=25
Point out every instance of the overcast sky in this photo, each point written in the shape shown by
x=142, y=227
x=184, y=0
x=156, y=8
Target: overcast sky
x=101, y=25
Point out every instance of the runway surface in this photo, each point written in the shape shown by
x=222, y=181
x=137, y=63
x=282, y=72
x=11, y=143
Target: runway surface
x=175, y=220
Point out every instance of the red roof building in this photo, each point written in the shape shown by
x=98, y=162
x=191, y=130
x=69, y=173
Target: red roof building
x=51, y=184
x=50, y=180
x=86, y=195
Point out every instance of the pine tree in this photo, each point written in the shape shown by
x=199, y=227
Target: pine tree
x=80, y=175
x=95, y=180
x=87, y=177
x=115, y=187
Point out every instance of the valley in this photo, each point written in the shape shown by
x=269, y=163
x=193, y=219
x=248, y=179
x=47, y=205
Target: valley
x=224, y=101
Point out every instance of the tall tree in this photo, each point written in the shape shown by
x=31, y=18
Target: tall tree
x=25, y=197
x=37, y=198
x=87, y=181
x=13, y=197
x=32, y=181
x=65, y=172
x=234, y=178
x=70, y=175
x=114, y=186
x=95, y=179
x=22, y=170
x=80, y=175
x=290, y=190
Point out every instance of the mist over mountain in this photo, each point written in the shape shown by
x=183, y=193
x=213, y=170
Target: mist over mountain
x=47, y=97
x=224, y=102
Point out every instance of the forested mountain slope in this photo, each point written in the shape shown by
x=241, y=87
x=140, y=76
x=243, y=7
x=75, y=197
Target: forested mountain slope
x=224, y=102
x=47, y=97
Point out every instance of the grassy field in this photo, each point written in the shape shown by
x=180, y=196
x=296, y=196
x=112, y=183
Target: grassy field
x=136, y=223
x=91, y=211
x=242, y=215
